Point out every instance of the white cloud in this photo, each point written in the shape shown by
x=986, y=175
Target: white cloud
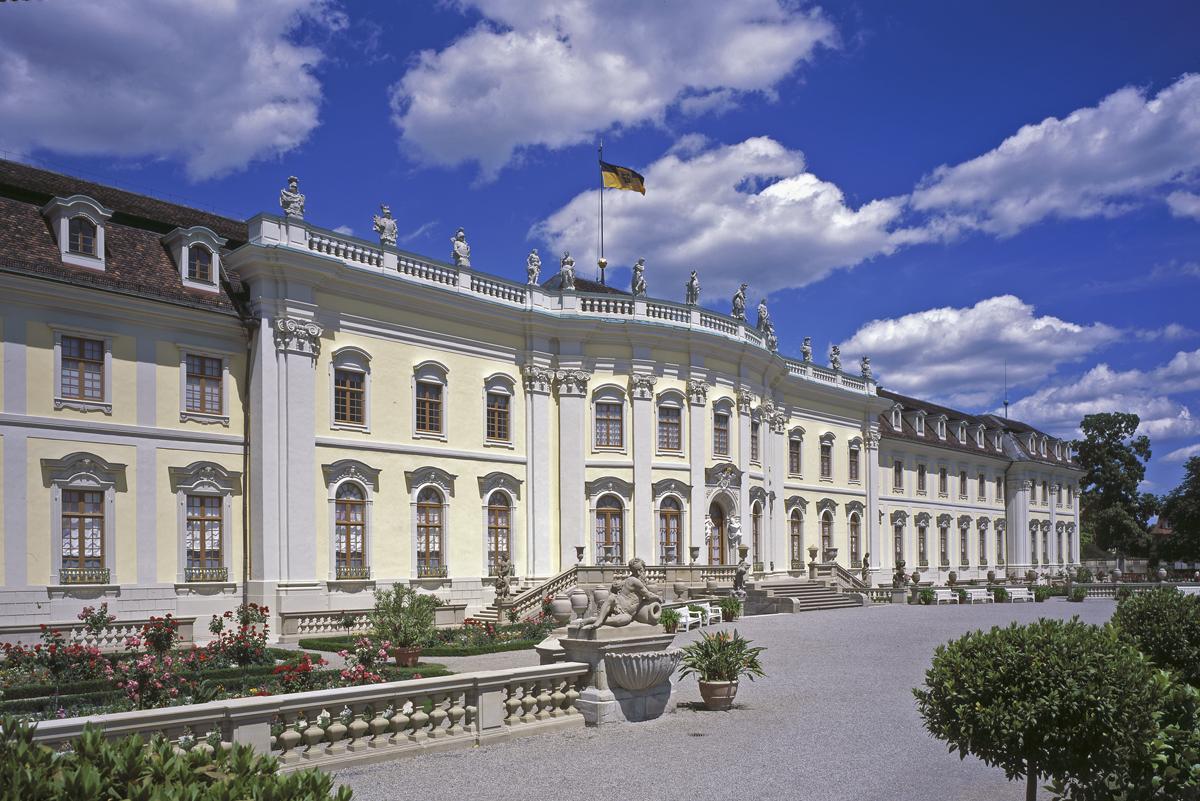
x=957, y=355
x=1171, y=332
x=1184, y=204
x=1096, y=161
x=722, y=209
x=1183, y=454
x=1147, y=393
x=557, y=74
x=344, y=229
x=217, y=85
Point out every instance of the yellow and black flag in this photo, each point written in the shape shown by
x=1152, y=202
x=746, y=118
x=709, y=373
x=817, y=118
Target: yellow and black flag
x=614, y=177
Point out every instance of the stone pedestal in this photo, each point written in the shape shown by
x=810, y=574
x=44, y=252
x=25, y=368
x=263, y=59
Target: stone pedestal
x=631, y=670
x=899, y=595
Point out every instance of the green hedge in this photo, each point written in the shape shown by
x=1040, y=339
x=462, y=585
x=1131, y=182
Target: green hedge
x=334, y=644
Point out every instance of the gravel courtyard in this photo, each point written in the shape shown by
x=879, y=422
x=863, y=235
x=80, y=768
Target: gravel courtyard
x=834, y=719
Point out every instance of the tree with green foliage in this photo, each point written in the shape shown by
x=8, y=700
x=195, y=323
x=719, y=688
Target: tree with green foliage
x=1181, y=507
x=1164, y=624
x=1113, y=456
x=1060, y=700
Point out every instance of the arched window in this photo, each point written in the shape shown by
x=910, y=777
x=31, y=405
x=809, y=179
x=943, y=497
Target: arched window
x=796, y=536
x=430, y=382
x=964, y=546
x=430, y=517
x=922, y=546
x=898, y=541
x=855, y=540
x=81, y=236
x=983, y=546
x=756, y=533
x=670, y=517
x=199, y=266
x=499, y=528
x=610, y=539
x=944, y=545
x=350, y=521
x=826, y=534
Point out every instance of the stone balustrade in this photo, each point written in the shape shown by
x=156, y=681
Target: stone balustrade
x=111, y=638
x=294, y=626
x=331, y=729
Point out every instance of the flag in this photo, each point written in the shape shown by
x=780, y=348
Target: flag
x=614, y=177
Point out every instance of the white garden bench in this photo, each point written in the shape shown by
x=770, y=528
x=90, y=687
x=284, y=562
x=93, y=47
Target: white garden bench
x=1016, y=594
x=979, y=596
x=941, y=596
x=715, y=615
x=688, y=619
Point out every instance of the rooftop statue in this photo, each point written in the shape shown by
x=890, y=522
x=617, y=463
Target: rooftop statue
x=835, y=357
x=764, y=317
x=866, y=367
x=630, y=600
x=291, y=201
x=533, y=267
x=460, y=250
x=739, y=302
x=385, y=226
x=639, y=278
x=692, y=290
x=806, y=349
x=566, y=270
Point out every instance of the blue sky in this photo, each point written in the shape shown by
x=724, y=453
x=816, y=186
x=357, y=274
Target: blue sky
x=946, y=186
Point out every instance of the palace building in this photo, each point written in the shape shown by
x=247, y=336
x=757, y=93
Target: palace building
x=198, y=410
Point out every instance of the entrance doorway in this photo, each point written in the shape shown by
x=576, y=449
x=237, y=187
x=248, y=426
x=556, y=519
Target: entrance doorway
x=717, y=545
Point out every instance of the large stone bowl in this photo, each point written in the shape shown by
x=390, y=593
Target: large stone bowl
x=649, y=613
x=642, y=671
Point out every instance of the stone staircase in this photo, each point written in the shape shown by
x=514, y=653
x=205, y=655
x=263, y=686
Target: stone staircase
x=798, y=595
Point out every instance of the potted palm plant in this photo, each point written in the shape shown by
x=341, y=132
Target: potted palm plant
x=669, y=620
x=718, y=662
x=731, y=608
x=405, y=618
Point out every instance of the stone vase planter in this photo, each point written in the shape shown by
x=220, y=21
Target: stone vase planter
x=599, y=596
x=406, y=657
x=681, y=590
x=718, y=695
x=560, y=609
x=579, y=602
x=641, y=671
x=831, y=554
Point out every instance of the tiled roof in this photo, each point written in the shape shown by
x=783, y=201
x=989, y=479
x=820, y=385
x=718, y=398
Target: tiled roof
x=136, y=262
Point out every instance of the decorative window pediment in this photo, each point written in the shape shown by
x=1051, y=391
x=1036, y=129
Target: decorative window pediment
x=670, y=486
x=827, y=505
x=922, y=519
x=723, y=475
x=81, y=469
x=197, y=255
x=899, y=517
x=425, y=476
x=205, y=477
x=794, y=502
x=964, y=521
x=609, y=484
x=1000, y=524
x=982, y=523
x=853, y=507
x=944, y=520
x=828, y=437
x=497, y=480
x=82, y=243
x=758, y=495
x=353, y=470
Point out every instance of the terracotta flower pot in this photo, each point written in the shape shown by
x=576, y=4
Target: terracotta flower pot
x=406, y=657
x=718, y=695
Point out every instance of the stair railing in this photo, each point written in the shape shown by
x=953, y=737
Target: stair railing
x=531, y=599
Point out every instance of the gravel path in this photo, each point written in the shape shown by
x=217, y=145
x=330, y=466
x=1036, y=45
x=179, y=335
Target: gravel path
x=834, y=719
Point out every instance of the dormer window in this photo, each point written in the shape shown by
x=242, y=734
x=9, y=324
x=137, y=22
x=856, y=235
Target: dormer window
x=941, y=428
x=920, y=425
x=896, y=418
x=197, y=254
x=979, y=437
x=962, y=433
x=81, y=236
x=78, y=225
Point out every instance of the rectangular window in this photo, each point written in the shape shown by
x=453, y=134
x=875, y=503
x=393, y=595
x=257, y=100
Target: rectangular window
x=82, y=529
x=349, y=397
x=1045, y=494
x=922, y=553
x=497, y=416
x=944, y=545
x=670, y=428
x=608, y=425
x=999, y=489
x=200, y=264
x=82, y=374
x=853, y=465
x=204, y=531
x=962, y=484
x=1058, y=497
x=982, y=487
x=897, y=475
x=794, y=456
x=920, y=478
x=429, y=407
x=754, y=441
x=204, y=393
x=826, y=460
x=721, y=433
x=963, y=547
x=943, y=481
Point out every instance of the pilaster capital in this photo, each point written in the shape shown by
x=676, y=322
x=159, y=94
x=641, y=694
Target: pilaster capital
x=697, y=391
x=872, y=439
x=537, y=379
x=294, y=335
x=573, y=381
x=641, y=387
x=745, y=399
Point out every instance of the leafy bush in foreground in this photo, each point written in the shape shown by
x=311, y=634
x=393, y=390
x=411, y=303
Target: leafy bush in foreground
x=1164, y=624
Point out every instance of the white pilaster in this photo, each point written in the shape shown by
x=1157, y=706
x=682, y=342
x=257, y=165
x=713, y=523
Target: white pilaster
x=869, y=470
x=540, y=559
x=645, y=539
x=572, y=449
x=697, y=391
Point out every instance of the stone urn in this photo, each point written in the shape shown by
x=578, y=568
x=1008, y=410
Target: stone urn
x=718, y=695
x=641, y=671
x=694, y=553
x=742, y=551
x=579, y=554
x=560, y=609
x=952, y=579
x=681, y=590
x=831, y=554
x=579, y=602
x=991, y=575
x=1116, y=575
x=916, y=577
x=1162, y=574
x=812, y=553
x=599, y=596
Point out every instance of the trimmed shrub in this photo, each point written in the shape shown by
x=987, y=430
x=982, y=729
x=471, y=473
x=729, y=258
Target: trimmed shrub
x=1164, y=624
x=1056, y=699
x=1041, y=593
x=1077, y=594
x=99, y=768
x=1000, y=595
x=925, y=596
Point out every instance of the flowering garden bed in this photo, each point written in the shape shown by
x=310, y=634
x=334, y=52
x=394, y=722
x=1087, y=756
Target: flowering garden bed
x=57, y=679
x=471, y=639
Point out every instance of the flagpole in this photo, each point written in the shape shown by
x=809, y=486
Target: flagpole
x=602, y=263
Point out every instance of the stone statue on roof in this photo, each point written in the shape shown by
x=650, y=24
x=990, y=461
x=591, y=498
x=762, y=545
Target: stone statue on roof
x=866, y=367
x=692, y=290
x=566, y=270
x=533, y=267
x=739, y=303
x=385, y=226
x=460, y=251
x=806, y=349
x=291, y=200
x=639, y=278
x=835, y=357
x=764, y=317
